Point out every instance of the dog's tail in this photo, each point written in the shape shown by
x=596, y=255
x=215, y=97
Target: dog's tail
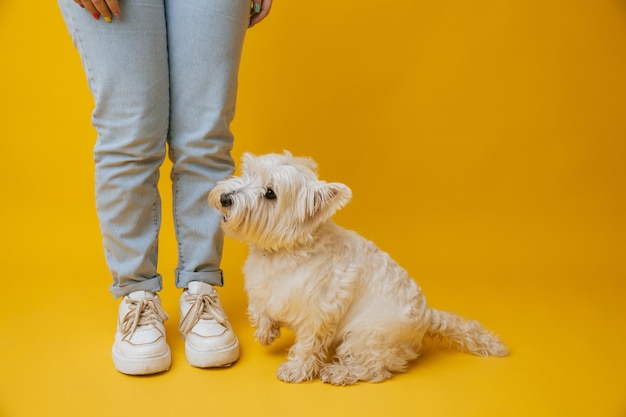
x=466, y=335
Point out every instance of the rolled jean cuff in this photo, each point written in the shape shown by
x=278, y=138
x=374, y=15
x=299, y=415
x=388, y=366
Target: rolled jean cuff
x=150, y=284
x=215, y=278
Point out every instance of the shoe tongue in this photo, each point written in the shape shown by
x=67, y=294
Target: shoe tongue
x=141, y=295
x=197, y=287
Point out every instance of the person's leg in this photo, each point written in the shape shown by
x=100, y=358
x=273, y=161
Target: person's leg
x=126, y=65
x=127, y=69
x=205, y=39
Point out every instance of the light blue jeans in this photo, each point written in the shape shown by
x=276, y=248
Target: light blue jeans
x=163, y=74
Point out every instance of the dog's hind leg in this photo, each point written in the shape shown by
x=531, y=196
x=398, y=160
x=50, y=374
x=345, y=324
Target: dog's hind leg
x=466, y=335
x=306, y=357
x=371, y=356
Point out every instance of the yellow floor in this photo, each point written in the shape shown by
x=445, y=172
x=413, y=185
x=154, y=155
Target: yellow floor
x=485, y=143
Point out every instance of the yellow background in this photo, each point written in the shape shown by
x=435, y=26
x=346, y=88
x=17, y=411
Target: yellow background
x=485, y=144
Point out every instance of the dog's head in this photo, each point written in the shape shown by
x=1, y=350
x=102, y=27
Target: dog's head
x=277, y=202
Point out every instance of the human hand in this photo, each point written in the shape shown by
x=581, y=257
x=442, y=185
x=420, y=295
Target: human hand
x=260, y=9
x=104, y=8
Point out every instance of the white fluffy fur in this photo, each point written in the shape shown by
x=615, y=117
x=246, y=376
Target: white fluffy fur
x=355, y=312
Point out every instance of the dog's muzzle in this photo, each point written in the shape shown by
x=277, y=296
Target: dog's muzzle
x=226, y=199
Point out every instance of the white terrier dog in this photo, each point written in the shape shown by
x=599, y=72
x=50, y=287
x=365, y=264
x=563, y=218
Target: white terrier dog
x=355, y=313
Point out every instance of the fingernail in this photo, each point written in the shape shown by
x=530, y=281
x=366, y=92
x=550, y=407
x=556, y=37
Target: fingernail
x=257, y=8
x=82, y=5
x=96, y=16
x=117, y=15
x=107, y=19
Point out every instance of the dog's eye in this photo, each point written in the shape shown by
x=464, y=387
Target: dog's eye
x=270, y=194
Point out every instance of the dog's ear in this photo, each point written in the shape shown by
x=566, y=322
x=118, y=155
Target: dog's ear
x=328, y=198
x=247, y=157
x=301, y=161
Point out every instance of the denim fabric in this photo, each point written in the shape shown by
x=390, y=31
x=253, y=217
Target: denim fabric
x=164, y=76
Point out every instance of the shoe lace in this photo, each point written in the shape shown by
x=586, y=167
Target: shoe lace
x=203, y=307
x=141, y=313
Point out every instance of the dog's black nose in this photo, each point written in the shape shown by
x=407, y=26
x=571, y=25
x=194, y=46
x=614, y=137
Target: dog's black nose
x=226, y=200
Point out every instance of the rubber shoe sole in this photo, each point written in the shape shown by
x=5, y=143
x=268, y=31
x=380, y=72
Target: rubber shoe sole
x=214, y=359
x=142, y=366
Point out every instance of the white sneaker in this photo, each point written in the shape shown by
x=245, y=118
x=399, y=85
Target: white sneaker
x=209, y=337
x=140, y=347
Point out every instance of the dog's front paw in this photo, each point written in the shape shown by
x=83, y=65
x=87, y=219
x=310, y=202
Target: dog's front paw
x=294, y=372
x=266, y=336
